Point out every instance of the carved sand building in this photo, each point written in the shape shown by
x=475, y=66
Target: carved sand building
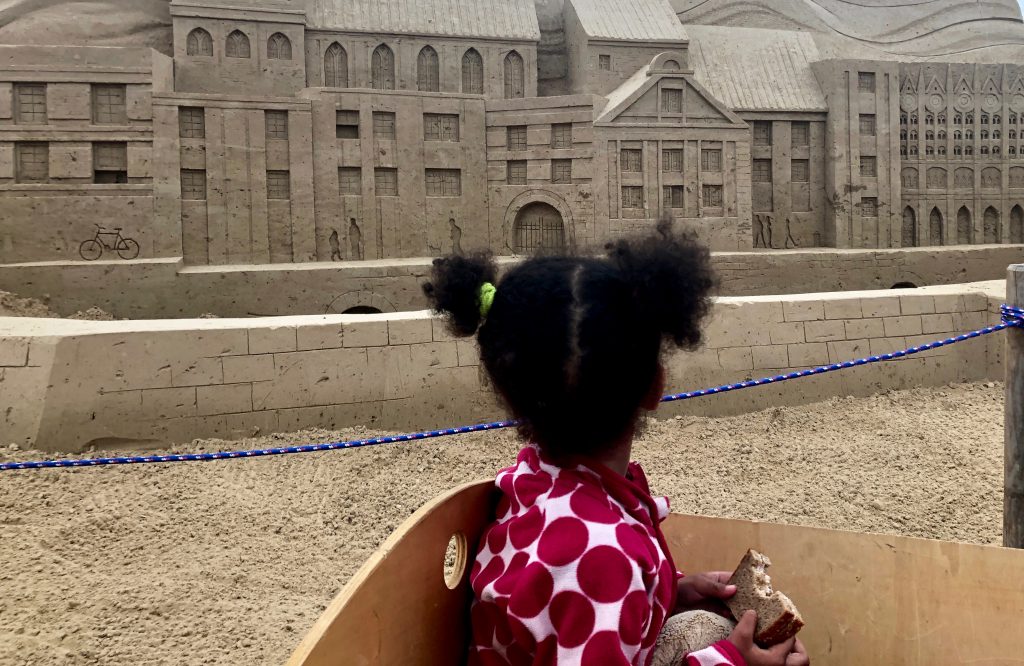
x=286, y=131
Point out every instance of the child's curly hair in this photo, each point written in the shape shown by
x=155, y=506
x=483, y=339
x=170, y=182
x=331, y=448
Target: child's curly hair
x=573, y=343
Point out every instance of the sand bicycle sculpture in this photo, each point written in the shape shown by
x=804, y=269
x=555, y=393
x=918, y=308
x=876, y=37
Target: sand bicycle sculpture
x=108, y=239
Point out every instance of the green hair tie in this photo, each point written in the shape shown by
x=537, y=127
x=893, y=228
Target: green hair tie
x=487, y=291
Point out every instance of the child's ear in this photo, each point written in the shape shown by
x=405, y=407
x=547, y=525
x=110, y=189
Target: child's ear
x=653, y=397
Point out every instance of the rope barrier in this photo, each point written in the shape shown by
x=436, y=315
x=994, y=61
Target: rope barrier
x=1011, y=317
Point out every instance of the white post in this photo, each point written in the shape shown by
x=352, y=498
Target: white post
x=1013, y=451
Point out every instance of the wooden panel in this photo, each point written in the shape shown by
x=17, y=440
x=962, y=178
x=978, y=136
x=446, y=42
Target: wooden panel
x=865, y=598
x=876, y=599
x=1013, y=470
x=397, y=608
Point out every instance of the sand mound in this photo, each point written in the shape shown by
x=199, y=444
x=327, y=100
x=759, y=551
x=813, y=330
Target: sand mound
x=231, y=562
x=15, y=306
x=12, y=305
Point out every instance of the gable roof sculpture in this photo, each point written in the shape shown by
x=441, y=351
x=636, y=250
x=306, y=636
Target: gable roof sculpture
x=701, y=109
x=629, y=20
x=753, y=69
x=512, y=20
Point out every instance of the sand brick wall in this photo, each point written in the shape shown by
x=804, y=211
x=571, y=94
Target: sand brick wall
x=66, y=385
x=162, y=288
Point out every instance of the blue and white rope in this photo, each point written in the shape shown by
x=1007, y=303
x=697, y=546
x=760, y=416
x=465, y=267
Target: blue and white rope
x=1011, y=317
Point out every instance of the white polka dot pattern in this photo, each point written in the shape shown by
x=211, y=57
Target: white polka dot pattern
x=574, y=570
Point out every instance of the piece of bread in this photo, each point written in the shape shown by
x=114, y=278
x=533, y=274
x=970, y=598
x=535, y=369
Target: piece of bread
x=777, y=616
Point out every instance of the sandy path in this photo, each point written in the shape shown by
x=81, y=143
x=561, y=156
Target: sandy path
x=231, y=562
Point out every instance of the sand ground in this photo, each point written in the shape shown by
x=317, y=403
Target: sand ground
x=231, y=562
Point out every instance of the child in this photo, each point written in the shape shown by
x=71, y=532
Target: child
x=575, y=570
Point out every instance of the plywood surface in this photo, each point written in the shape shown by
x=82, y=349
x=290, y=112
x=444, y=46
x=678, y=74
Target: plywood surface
x=865, y=598
x=397, y=608
x=876, y=599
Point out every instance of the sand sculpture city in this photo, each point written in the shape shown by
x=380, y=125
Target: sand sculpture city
x=300, y=157
x=286, y=131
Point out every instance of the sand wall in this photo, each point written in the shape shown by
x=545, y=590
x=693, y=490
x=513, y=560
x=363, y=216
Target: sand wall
x=65, y=385
x=164, y=289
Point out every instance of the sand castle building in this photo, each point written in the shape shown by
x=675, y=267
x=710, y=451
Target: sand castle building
x=297, y=131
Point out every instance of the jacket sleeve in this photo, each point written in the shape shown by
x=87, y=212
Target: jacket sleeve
x=722, y=653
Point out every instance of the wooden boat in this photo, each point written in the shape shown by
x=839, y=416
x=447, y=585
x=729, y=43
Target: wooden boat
x=866, y=598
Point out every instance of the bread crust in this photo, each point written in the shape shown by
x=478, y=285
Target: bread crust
x=778, y=619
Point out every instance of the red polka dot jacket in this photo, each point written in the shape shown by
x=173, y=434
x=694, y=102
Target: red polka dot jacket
x=575, y=570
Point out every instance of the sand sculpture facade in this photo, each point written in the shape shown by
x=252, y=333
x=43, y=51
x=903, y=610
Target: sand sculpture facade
x=283, y=131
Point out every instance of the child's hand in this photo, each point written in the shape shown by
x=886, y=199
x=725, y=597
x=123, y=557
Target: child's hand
x=700, y=587
x=787, y=653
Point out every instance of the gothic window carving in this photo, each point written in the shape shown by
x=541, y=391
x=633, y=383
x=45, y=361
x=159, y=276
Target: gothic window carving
x=903, y=151
x=929, y=150
x=909, y=230
x=913, y=119
x=428, y=71
x=958, y=135
x=515, y=84
x=929, y=119
x=472, y=72
x=913, y=149
x=1012, y=134
x=279, y=47
x=964, y=228
x=984, y=150
x=237, y=45
x=958, y=151
x=1013, y=119
x=984, y=134
x=383, y=68
x=969, y=150
x=910, y=179
x=958, y=119
x=969, y=135
x=929, y=135
x=969, y=119
x=336, y=66
x=936, y=178
x=996, y=119
x=903, y=119
x=984, y=119
x=903, y=135
x=935, y=228
x=913, y=135
x=991, y=178
x=997, y=134
x=942, y=135
x=942, y=118
x=942, y=150
x=199, y=43
x=996, y=150
x=991, y=225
